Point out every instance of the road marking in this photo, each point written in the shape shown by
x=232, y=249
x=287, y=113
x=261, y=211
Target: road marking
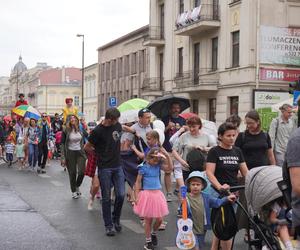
x=171, y=248
x=133, y=226
x=44, y=175
x=57, y=183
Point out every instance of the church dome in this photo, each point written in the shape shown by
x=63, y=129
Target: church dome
x=20, y=66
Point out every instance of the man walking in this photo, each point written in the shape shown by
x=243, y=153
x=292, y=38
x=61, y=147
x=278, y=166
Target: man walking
x=293, y=164
x=280, y=130
x=44, y=134
x=105, y=140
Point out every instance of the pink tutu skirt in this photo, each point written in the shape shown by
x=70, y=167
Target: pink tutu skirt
x=151, y=204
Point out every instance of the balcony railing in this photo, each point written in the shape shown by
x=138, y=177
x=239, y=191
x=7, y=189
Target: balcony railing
x=208, y=81
x=155, y=36
x=201, y=18
x=153, y=84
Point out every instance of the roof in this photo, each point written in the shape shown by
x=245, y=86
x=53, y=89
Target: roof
x=125, y=37
x=20, y=66
x=60, y=76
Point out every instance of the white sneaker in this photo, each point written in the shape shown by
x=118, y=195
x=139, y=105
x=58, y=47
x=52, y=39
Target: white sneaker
x=78, y=191
x=75, y=195
x=90, y=205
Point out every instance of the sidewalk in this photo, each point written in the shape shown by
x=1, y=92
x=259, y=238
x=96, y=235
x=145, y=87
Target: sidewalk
x=24, y=228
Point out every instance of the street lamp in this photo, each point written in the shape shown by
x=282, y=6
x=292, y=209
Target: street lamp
x=82, y=70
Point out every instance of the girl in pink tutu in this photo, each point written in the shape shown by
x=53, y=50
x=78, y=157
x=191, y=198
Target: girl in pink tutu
x=151, y=202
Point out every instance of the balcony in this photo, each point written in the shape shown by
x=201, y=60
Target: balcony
x=193, y=81
x=203, y=18
x=155, y=37
x=153, y=84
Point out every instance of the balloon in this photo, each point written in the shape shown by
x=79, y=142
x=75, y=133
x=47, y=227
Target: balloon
x=161, y=135
x=159, y=124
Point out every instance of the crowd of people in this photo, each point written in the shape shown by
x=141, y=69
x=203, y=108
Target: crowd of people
x=114, y=154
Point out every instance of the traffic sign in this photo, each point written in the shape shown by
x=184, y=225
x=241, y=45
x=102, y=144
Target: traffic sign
x=296, y=97
x=112, y=101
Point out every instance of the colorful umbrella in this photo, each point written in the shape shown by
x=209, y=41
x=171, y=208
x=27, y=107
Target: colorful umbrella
x=129, y=109
x=27, y=111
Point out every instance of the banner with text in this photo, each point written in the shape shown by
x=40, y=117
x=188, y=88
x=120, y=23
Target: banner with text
x=288, y=75
x=267, y=98
x=279, y=45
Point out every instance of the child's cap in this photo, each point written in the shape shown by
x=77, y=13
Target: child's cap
x=20, y=140
x=196, y=174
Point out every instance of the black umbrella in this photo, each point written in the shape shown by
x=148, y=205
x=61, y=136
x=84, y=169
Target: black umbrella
x=161, y=106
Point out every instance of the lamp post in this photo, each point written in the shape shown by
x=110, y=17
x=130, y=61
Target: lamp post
x=82, y=71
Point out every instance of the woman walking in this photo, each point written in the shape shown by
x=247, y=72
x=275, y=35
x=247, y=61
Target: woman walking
x=224, y=162
x=257, y=150
x=73, y=156
x=32, y=138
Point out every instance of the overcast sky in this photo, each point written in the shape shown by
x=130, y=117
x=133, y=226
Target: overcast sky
x=45, y=31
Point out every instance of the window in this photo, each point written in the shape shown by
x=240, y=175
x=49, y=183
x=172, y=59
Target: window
x=120, y=67
x=195, y=106
x=197, y=3
x=212, y=108
x=196, y=62
x=133, y=63
x=76, y=100
x=142, y=61
x=114, y=62
x=180, y=61
x=161, y=70
x=234, y=105
x=214, y=54
x=181, y=6
x=102, y=72
x=235, y=48
x=126, y=65
x=162, y=21
x=108, y=71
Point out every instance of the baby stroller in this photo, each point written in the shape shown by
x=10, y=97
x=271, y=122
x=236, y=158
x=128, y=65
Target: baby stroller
x=261, y=190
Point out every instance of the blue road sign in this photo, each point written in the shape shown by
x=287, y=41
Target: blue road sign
x=112, y=101
x=296, y=97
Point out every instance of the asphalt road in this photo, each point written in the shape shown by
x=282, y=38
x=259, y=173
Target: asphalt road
x=37, y=213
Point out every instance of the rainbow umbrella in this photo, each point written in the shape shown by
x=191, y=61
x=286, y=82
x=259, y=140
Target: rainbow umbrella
x=129, y=109
x=27, y=111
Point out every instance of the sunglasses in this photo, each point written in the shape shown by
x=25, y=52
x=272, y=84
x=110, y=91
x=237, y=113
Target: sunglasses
x=44, y=116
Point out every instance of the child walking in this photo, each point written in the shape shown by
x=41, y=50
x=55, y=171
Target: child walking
x=199, y=204
x=9, y=149
x=151, y=202
x=20, y=153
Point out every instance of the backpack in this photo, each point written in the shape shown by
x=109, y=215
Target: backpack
x=58, y=137
x=223, y=222
x=196, y=160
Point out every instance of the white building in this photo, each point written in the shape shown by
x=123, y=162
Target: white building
x=91, y=92
x=216, y=53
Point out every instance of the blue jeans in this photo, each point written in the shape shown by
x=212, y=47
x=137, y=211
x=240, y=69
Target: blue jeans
x=9, y=156
x=200, y=240
x=112, y=177
x=33, y=154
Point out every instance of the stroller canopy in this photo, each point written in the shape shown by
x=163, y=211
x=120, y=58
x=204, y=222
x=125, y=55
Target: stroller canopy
x=261, y=187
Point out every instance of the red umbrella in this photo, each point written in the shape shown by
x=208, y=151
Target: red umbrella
x=187, y=115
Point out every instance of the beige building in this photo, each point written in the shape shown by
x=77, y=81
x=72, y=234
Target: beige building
x=4, y=95
x=51, y=97
x=217, y=53
x=123, y=69
x=55, y=85
x=90, y=101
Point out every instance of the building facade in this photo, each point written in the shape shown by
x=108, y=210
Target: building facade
x=55, y=85
x=90, y=107
x=216, y=53
x=4, y=98
x=123, y=68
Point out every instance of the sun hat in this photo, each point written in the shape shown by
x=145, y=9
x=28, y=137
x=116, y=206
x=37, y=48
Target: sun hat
x=197, y=174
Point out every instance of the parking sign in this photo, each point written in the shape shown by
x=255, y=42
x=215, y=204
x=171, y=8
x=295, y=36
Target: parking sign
x=296, y=97
x=112, y=101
